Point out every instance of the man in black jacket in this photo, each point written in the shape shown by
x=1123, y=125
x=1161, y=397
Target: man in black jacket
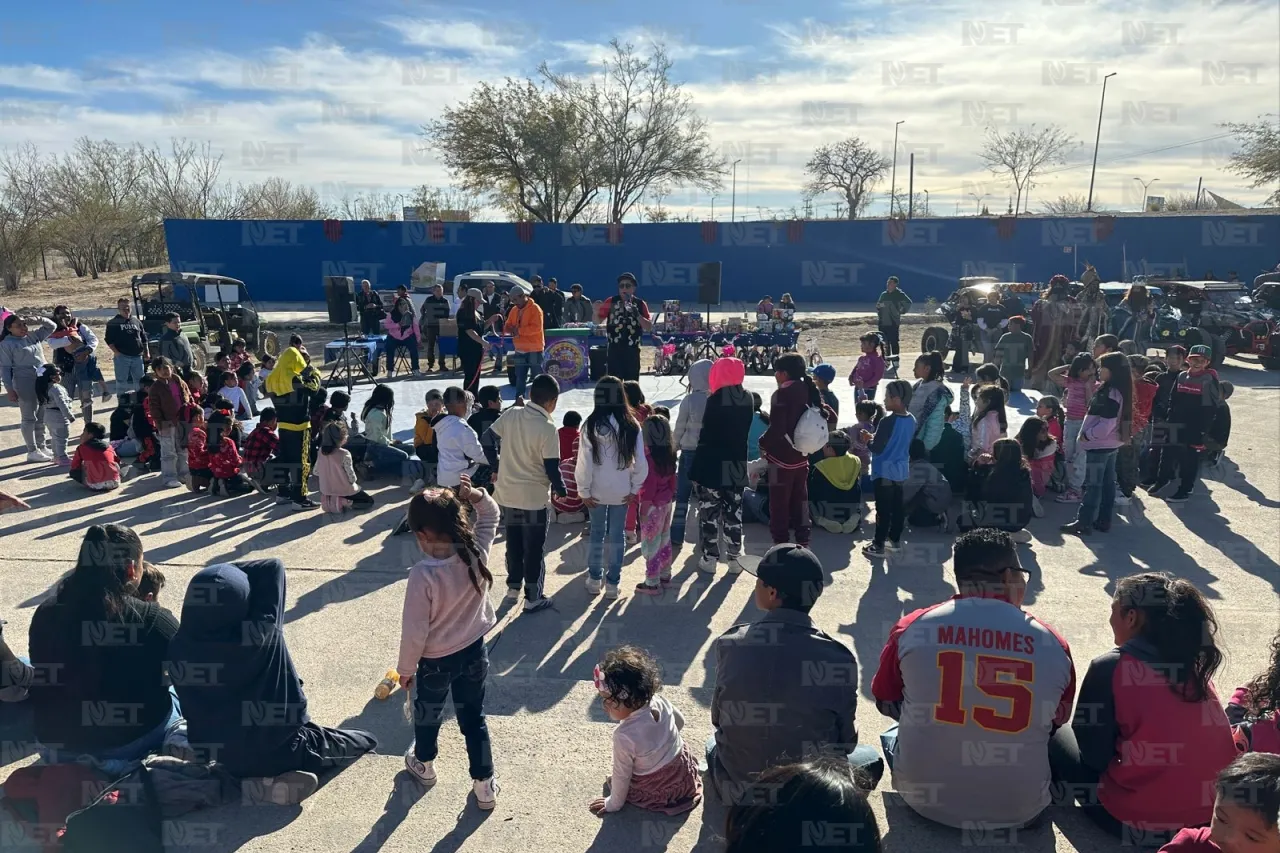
x=551, y=301
x=128, y=342
x=435, y=309
x=371, y=310
x=578, y=308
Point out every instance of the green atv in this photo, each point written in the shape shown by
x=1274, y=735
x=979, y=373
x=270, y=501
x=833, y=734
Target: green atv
x=214, y=311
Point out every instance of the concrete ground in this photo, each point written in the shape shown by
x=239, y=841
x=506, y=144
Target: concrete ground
x=551, y=738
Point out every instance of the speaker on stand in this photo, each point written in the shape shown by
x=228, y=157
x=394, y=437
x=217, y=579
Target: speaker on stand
x=708, y=295
x=353, y=362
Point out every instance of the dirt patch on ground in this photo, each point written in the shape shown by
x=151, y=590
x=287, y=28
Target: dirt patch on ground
x=81, y=293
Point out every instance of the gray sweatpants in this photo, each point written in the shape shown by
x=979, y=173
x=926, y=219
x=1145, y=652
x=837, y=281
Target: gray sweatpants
x=173, y=459
x=59, y=431
x=32, y=412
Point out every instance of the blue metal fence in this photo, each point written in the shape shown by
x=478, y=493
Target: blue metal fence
x=822, y=261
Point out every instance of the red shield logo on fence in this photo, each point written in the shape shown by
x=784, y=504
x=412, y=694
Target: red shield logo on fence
x=795, y=231
x=1104, y=227
x=333, y=230
x=709, y=232
x=615, y=233
x=1006, y=226
x=895, y=230
x=435, y=231
x=524, y=231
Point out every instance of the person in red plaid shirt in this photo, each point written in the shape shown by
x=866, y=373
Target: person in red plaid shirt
x=260, y=447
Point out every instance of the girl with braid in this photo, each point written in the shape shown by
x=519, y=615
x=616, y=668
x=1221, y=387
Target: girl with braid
x=446, y=615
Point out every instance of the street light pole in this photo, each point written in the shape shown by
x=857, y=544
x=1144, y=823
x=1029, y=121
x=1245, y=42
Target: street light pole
x=1097, y=139
x=733, y=202
x=1145, y=184
x=713, y=207
x=893, y=180
x=926, y=202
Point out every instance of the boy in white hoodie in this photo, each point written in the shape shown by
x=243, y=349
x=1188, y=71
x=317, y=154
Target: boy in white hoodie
x=457, y=443
x=688, y=427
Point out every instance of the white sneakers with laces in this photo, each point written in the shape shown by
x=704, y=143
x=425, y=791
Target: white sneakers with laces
x=423, y=771
x=486, y=791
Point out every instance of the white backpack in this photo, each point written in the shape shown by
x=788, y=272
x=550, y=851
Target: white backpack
x=811, y=431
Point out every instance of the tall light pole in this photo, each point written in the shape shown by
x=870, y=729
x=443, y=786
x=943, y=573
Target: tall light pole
x=978, y=200
x=1097, y=139
x=1145, y=184
x=733, y=203
x=893, y=180
x=713, y=207
x=926, y=202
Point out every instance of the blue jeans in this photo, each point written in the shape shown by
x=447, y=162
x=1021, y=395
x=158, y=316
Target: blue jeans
x=117, y=761
x=526, y=364
x=1099, y=488
x=607, y=522
x=129, y=371
x=684, y=488
x=392, y=461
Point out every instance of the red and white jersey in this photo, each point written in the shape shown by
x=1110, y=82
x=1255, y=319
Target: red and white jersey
x=982, y=686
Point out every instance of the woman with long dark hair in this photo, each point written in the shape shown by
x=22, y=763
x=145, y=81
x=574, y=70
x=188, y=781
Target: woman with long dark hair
x=1149, y=734
x=103, y=654
x=471, y=345
x=610, y=470
x=1106, y=427
x=21, y=360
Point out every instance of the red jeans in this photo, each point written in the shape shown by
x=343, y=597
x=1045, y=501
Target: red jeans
x=789, y=504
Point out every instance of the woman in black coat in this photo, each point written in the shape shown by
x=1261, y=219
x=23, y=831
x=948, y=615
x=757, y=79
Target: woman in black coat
x=719, y=471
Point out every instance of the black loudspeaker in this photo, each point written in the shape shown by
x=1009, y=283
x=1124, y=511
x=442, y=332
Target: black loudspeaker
x=598, y=362
x=340, y=296
x=709, y=284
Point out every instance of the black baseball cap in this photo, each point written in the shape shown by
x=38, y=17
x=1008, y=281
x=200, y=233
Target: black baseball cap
x=793, y=570
x=627, y=276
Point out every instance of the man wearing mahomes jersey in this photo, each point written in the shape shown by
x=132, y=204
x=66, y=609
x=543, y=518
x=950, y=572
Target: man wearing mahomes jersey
x=977, y=687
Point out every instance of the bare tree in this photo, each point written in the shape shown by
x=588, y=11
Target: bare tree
x=1022, y=153
x=447, y=203
x=1259, y=156
x=1069, y=203
x=377, y=206
x=918, y=204
x=1179, y=201
x=850, y=167
x=644, y=124
x=277, y=198
x=522, y=136
x=22, y=213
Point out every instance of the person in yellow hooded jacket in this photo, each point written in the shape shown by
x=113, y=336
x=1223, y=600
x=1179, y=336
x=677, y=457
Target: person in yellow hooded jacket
x=835, y=498
x=291, y=386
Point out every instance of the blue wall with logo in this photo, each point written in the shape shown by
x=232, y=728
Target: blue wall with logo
x=816, y=261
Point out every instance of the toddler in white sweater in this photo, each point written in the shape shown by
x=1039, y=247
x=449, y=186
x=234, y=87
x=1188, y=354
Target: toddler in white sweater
x=652, y=766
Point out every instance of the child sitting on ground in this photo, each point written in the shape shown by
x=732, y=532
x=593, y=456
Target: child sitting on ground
x=987, y=374
x=926, y=496
x=890, y=467
x=199, y=393
x=247, y=379
x=231, y=391
x=95, y=465
x=143, y=430
x=869, y=369
x=339, y=488
x=1246, y=812
x=488, y=409
x=569, y=508
x=457, y=446
x=150, y=584
x=1254, y=709
x=990, y=423
x=198, y=454
x=268, y=365
x=653, y=767
x=1002, y=497
x=1039, y=450
x=260, y=448
x=835, y=490
x=224, y=457
x=823, y=376
x=949, y=455
x=118, y=426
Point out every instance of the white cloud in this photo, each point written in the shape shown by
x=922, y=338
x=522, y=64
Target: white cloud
x=344, y=118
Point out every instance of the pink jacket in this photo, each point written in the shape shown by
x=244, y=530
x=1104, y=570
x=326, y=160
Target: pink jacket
x=658, y=489
x=337, y=474
x=869, y=370
x=443, y=611
x=985, y=433
x=394, y=330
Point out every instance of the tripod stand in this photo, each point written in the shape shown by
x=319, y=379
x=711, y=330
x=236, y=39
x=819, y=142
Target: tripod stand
x=351, y=364
x=707, y=349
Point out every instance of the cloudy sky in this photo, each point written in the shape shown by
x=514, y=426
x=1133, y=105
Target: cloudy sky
x=332, y=93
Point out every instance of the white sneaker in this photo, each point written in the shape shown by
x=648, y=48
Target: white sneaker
x=594, y=586
x=486, y=792
x=39, y=456
x=893, y=547
x=611, y=590
x=418, y=485
x=173, y=484
x=512, y=594
x=423, y=771
x=707, y=564
x=735, y=567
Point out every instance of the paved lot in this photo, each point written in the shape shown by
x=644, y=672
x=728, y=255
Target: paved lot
x=551, y=739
